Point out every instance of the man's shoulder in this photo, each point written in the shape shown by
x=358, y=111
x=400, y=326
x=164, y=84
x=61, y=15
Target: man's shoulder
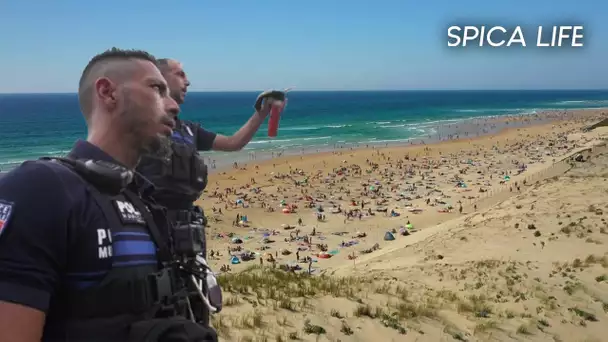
x=35, y=170
x=41, y=176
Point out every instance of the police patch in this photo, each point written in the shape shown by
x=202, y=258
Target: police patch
x=6, y=210
x=128, y=213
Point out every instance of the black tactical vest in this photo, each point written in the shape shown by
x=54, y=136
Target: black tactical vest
x=106, y=311
x=180, y=180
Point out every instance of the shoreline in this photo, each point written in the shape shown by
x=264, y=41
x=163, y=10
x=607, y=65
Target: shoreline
x=502, y=123
x=450, y=134
x=223, y=161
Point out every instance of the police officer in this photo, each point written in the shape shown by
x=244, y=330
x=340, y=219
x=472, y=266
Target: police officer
x=181, y=179
x=80, y=257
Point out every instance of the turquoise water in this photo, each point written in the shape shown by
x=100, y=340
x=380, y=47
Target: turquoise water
x=35, y=125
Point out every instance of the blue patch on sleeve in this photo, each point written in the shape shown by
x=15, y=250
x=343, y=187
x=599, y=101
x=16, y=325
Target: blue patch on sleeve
x=6, y=210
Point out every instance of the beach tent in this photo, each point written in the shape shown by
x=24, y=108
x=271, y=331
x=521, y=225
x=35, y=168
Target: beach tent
x=237, y=240
x=235, y=260
x=388, y=236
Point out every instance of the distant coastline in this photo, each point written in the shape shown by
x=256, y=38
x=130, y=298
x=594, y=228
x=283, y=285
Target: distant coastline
x=32, y=126
x=350, y=90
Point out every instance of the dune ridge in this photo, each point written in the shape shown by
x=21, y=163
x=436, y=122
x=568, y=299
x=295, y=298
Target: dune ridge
x=521, y=262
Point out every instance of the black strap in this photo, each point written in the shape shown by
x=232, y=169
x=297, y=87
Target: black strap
x=164, y=253
x=106, y=206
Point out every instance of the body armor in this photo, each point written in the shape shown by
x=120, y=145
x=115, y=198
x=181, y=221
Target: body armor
x=180, y=180
x=141, y=302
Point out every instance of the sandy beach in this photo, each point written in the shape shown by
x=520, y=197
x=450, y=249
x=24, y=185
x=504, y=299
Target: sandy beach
x=491, y=230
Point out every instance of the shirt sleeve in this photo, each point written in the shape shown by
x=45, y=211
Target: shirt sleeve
x=34, y=214
x=204, y=139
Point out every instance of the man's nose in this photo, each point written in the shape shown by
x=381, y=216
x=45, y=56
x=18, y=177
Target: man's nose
x=172, y=107
x=187, y=82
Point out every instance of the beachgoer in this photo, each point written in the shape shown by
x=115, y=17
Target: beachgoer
x=68, y=226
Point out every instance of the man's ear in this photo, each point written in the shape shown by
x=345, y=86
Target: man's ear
x=105, y=92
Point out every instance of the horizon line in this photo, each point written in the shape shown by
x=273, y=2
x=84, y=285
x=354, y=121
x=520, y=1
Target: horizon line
x=343, y=90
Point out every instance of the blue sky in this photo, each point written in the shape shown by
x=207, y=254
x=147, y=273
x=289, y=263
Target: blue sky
x=312, y=44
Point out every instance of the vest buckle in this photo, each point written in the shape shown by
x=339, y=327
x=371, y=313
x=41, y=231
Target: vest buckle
x=161, y=286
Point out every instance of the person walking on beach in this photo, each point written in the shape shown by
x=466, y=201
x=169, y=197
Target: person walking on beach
x=68, y=226
x=180, y=180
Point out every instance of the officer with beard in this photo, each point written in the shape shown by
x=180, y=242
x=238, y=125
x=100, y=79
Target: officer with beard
x=81, y=252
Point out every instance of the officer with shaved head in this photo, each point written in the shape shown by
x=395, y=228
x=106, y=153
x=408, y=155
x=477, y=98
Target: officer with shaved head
x=81, y=253
x=180, y=179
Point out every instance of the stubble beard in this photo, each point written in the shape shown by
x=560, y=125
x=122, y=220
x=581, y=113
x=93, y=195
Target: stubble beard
x=158, y=146
x=162, y=148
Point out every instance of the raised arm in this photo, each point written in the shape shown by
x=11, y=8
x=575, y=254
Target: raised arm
x=242, y=137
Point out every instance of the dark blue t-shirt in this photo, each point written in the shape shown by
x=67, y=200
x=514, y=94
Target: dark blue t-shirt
x=54, y=236
x=204, y=138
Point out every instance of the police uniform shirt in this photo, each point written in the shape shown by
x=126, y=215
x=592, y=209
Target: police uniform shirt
x=204, y=138
x=54, y=236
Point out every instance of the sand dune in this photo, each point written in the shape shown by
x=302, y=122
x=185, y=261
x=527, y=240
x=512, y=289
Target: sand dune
x=521, y=262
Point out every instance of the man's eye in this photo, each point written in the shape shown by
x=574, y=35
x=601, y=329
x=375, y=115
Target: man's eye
x=159, y=88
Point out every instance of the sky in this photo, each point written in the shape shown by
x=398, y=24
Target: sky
x=232, y=45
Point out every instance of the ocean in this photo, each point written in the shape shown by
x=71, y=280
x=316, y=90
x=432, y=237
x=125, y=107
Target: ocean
x=36, y=125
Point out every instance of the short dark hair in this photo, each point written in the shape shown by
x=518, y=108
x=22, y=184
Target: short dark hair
x=162, y=64
x=97, y=67
x=163, y=61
